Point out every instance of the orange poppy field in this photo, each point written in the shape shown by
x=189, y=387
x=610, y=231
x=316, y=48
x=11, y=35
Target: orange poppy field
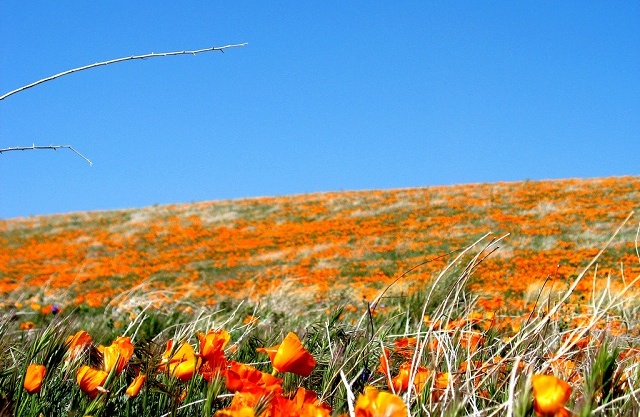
x=319, y=245
x=480, y=299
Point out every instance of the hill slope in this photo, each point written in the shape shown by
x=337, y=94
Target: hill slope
x=324, y=245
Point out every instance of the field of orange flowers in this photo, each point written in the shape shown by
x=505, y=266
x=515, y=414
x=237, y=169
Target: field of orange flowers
x=319, y=245
x=484, y=299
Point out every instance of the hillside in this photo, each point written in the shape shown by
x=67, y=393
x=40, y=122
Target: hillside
x=324, y=246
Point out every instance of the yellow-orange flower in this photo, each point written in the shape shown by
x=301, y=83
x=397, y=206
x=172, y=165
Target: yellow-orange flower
x=304, y=404
x=209, y=373
x=549, y=395
x=471, y=341
x=383, y=368
x=77, y=342
x=401, y=381
x=124, y=343
x=27, y=325
x=91, y=380
x=405, y=346
x=440, y=384
x=182, y=364
x=290, y=356
x=117, y=355
x=33, y=378
x=212, y=347
x=241, y=412
x=134, y=388
x=372, y=403
x=242, y=405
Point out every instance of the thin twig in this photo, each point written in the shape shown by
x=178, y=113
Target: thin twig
x=54, y=147
x=114, y=61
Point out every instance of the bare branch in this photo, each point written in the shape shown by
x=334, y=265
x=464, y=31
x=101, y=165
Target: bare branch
x=54, y=147
x=98, y=64
x=114, y=61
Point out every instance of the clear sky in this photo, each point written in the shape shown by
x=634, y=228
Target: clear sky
x=326, y=96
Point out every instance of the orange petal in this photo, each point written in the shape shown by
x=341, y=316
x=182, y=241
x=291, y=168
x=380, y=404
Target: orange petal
x=33, y=378
x=372, y=403
x=90, y=380
x=549, y=394
x=291, y=356
x=134, y=388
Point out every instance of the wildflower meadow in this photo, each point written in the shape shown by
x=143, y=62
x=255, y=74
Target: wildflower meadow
x=507, y=299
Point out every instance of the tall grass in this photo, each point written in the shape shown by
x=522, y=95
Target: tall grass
x=460, y=360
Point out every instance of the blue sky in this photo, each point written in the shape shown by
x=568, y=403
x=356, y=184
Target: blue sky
x=326, y=96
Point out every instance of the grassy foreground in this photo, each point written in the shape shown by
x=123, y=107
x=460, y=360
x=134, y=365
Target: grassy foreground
x=436, y=345
x=440, y=358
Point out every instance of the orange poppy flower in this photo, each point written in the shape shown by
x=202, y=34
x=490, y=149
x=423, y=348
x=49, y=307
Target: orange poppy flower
x=209, y=373
x=405, y=346
x=435, y=323
x=549, y=395
x=246, y=378
x=304, y=404
x=471, y=341
x=134, y=388
x=578, y=342
x=182, y=364
x=383, y=368
x=91, y=380
x=27, y=325
x=434, y=345
x=212, y=348
x=458, y=323
x=372, y=403
x=467, y=366
x=33, y=378
x=400, y=382
x=242, y=405
x=242, y=412
x=290, y=356
x=483, y=320
x=440, y=385
x=420, y=380
x=124, y=343
x=116, y=355
x=77, y=342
